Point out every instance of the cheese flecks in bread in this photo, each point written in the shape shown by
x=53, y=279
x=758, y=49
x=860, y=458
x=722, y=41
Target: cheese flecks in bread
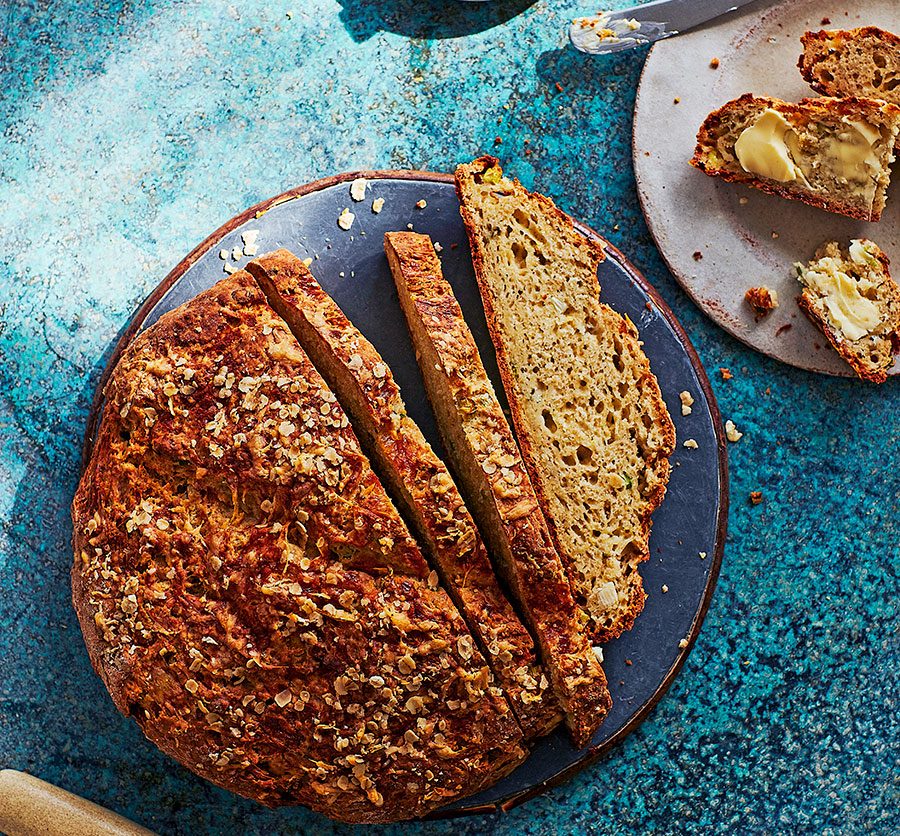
x=831, y=153
x=250, y=595
x=416, y=477
x=850, y=295
x=494, y=481
x=591, y=423
x=853, y=62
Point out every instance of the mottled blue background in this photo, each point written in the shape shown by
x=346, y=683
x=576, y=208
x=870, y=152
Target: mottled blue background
x=132, y=129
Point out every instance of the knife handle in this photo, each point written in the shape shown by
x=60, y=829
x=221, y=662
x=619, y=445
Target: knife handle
x=31, y=807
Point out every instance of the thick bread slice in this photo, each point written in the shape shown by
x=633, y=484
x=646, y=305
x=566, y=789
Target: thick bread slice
x=417, y=478
x=831, y=153
x=852, y=62
x=591, y=422
x=494, y=480
x=850, y=295
x=249, y=593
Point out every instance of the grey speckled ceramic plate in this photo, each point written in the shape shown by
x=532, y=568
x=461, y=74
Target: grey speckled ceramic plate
x=351, y=266
x=688, y=212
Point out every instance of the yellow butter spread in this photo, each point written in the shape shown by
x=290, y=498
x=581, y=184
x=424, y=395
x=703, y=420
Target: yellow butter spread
x=850, y=155
x=763, y=148
x=770, y=148
x=848, y=309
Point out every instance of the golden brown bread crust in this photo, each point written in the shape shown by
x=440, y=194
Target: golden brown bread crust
x=500, y=494
x=417, y=477
x=804, y=110
x=249, y=594
x=864, y=370
x=658, y=463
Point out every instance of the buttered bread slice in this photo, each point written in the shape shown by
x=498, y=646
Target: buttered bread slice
x=850, y=295
x=591, y=422
x=494, y=481
x=418, y=480
x=831, y=153
x=853, y=62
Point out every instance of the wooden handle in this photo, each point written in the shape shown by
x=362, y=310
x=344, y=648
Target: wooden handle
x=31, y=807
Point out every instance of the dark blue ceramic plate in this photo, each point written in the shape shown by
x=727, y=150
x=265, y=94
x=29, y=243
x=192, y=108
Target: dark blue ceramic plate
x=352, y=267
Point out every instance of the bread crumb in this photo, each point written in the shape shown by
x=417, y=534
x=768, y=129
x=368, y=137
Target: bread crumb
x=714, y=64
x=377, y=205
x=786, y=327
x=731, y=431
x=409, y=226
x=358, y=189
x=683, y=643
x=421, y=204
x=665, y=587
x=598, y=652
x=826, y=21
x=702, y=555
x=236, y=253
x=437, y=247
x=762, y=300
x=345, y=219
x=676, y=100
x=229, y=268
x=744, y=201
x=249, y=239
x=223, y=254
x=307, y=261
x=697, y=255
x=725, y=372
x=756, y=497
x=687, y=401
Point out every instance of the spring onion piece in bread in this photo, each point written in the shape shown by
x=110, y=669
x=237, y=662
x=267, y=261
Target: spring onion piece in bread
x=853, y=62
x=850, y=295
x=831, y=153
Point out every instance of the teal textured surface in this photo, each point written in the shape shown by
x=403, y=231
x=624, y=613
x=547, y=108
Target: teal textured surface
x=131, y=130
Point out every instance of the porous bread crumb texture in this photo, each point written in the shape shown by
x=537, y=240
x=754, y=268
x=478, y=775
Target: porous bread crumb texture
x=249, y=594
x=852, y=62
x=496, y=485
x=816, y=123
x=591, y=422
x=872, y=355
x=417, y=478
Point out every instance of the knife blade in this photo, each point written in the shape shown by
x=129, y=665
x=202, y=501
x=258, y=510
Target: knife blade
x=637, y=25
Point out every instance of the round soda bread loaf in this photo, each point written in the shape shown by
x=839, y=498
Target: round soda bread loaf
x=249, y=594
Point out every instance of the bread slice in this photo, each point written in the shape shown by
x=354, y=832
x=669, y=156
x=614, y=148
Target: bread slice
x=850, y=295
x=591, y=422
x=417, y=478
x=852, y=62
x=249, y=593
x=831, y=153
x=494, y=480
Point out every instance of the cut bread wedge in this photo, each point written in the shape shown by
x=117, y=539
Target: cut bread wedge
x=850, y=295
x=417, y=478
x=593, y=428
x=494, y=480
x=852, y=62
x=834, y=154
